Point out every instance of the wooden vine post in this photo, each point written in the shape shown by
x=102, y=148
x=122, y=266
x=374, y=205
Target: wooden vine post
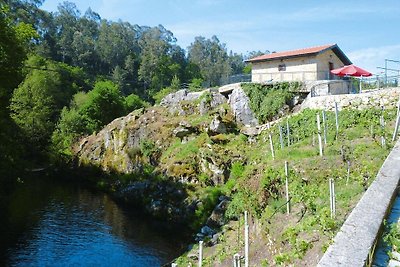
x=324, y=125
x=337, y=120
x=281, y=136
x=246, y=240
x=319, y=136
x=200, y=253
x=396, y=127
x=332, y=197
x=288, y=132
x=382, y=122
x=287, y=187
x=271, y=142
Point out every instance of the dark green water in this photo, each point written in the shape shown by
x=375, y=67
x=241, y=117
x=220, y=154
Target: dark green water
x=44, y=222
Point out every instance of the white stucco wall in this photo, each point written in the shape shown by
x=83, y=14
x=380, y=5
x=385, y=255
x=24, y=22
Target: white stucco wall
x=306, y=68
x=297, y=69
x=323, y=60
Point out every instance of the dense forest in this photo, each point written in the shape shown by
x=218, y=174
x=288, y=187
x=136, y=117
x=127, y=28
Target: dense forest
x=67, y=74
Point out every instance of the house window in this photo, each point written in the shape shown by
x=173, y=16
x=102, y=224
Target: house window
x=282, y=67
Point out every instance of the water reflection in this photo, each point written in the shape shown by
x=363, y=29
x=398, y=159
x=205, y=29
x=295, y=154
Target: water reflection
x=47, y=223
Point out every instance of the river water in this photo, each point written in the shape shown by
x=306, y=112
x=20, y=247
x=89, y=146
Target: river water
x=45, y=222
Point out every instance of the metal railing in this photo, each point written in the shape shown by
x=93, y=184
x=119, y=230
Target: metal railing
x=238, y=78
x=294, y=76
x=377, y=82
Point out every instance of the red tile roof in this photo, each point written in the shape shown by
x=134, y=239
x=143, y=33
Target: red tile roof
x=293, y=53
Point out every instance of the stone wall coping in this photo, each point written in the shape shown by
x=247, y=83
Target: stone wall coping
x=356, y=238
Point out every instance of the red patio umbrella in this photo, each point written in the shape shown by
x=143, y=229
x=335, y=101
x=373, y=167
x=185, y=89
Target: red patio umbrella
x=351, y=70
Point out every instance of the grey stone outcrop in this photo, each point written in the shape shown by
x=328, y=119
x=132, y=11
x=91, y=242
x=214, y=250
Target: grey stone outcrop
x=216, y=100
x=239, y=103
x=217, y=126
x=181, y=95
x=357, y=236
x=175, y=100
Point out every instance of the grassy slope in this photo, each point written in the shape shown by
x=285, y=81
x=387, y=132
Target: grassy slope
x=256, y=184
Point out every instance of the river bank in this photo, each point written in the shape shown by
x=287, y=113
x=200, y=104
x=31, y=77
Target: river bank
x=49, y=221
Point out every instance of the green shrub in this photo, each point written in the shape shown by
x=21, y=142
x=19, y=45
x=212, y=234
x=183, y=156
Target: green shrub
x=266, y=101
x=133, y=102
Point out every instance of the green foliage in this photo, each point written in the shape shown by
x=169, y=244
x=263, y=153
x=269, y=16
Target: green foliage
x=175, y=83
x=209, y=198
x=392, y=235
x=243, y=200
x=270, y=182
x=88, y=113
x=268, y=100
x=247, y=69
x=133, y=102
x=36, y=104
x=195, y=84
x=104, y=104
x=12, y=55
x=206, y=97
x=148, y=148
x=211, y=57
x=237, y=170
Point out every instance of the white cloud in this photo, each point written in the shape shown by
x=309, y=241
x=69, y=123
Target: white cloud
x=372, y=57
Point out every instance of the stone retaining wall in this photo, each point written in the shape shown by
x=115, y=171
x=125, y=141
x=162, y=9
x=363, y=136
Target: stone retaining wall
x=354, y=243
x=384, y=97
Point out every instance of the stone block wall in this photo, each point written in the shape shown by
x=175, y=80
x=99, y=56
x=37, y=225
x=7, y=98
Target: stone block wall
x=387, y=97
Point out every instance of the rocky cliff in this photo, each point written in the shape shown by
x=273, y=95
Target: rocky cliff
x=180, y=142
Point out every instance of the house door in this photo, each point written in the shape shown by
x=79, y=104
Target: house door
x=330, y=75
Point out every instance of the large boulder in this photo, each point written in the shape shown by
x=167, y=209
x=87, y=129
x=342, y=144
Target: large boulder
x=217, y=217
x=184, y=129
x=181, y=95
x=217, y=126
x=178, y=102
x=212, y=100
x=240, y=106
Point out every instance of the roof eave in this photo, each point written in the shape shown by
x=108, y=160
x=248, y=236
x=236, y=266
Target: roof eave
x=342, y=56
x=280, y=58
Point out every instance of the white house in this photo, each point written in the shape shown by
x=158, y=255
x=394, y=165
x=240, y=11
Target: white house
x=307, y=64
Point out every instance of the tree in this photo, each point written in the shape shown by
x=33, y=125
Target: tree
x=104, y=104
x=66, y=22
x=84, y=42
x=117, y=41
x=12, y=55
x=211, y=57
x=37, y=102
x=133, y=102
x=89, y=112
x=161, y=58
x=236, y=62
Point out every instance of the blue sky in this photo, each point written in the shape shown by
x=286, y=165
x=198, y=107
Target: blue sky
x=368, y=31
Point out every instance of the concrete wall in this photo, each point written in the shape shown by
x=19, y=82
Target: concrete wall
x=297, y=69
x=356, y=239
x=383, y=97
x=306, y=68
x=323, y=60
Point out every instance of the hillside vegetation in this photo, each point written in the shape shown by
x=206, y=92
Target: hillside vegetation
x=232, y=172
x=257, y=184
